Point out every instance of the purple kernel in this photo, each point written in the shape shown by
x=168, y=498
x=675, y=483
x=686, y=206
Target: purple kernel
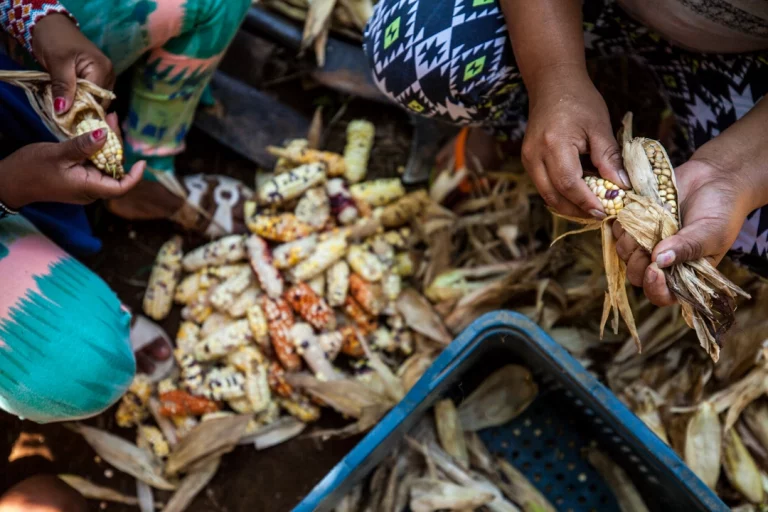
x=612, y=194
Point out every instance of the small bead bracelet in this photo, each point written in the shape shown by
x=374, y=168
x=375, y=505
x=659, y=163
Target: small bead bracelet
x=5, y=211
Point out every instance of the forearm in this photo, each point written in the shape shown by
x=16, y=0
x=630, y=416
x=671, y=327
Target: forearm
x=547, y=38
x=741, y=152
x=19, y=17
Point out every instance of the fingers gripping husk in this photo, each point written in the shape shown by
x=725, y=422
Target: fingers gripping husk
x=649, y=214
x=85, y=115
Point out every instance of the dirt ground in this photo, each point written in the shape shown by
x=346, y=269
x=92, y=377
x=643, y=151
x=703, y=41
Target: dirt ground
x=275, y=479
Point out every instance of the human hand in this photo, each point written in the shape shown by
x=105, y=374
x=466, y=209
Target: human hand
x=714, y=204
x=60, y=172
x=67, y=55
x=567, y=118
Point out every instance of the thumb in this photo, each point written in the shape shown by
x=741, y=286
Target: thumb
x=690, y=243
x=63, y=85
x=606, y=156
x=83, y=147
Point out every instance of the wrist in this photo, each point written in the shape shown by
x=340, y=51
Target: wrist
x=555, y=77
x=8, y=194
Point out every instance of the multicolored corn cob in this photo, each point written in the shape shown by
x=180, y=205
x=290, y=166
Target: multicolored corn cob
x=289, y=254
x=314, y=208
x=163, y=280
x=229, y=249
x=365, y=263
x=260, y=257
x=332, y=161
x=290, y=185
x=150, y=438
x=108, y=159
x=379, y=192
x=257, y=321
x=351, y=345
x=366, y=323
x=223, y=341
x=360, y=135
x=223, y=295
x=609, y=194
x=280, y=320
x=337, y=279
x=343, y=206
x=310, y=306
x=224, y=383
x=662, y=169
x=285, y=164
x=178, y=404
x=277, y=382
x=282, y=227
x=369, y=295
x=244, y=301
x=326, y=254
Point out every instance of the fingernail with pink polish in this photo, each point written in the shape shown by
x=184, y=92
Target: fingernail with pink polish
x=597, y=214
x=59, y=105
x=665, y=259
x=97, y=135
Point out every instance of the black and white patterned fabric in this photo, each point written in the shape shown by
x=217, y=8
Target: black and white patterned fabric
x=452, y=60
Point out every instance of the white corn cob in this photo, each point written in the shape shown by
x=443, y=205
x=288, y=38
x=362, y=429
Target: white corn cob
x=326, y=254
x=284, y=164
x=223, y=296
x=166, y=386
x=290, y=185
x=226, y=271
x=225, y=340
x=165, y=275
x=187, y=337
x=360, y=135
x=149, y=437
x=108, y=159
x=191, y=373
x=365, y=263
x=213, y=323
x=342, y=204
x=229, y=249
x=245, y=358
x=392, y=284
x=612, y=197
x=224, y=383
x=317, y=284
x=261, y=262
x=242, y=303
x=331, y=343
x=662, y=169
x=308, y=347
x=289, y=254
x=257, y=322
x=379, y=192
x=337, y=278
x=314, y=208
x=198, y=308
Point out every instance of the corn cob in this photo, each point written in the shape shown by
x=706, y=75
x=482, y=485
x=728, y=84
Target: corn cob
x=229, y=249
x=379, y=192
x=289, y=254
x=223, y=296
x=333, y=162
x=280, y=320
x=392, y=284
x=190, y=371
x=213, y=323
x=308, y=346
x=133, y=404
x=187, y=337
x=351, y=345
x=383, y=250
x=317, y=284
x=399, y=239
x=268, y=415
x=163, y=280
x=331, y=343
x=404, y=265
x=662, y=169
x=314, y=208
x=365, y=263
x=366, y=323
x=285, y=164
x=242, y=303
x=283, y=227
x=166, y=385
x=369, y=295
x=277, y=382
x=183, y=424
x=216, y=415
x=192, y=284
x=300, y=408
x=326, y=254
x=290, y=185
x=176, y=404
x=245, y=358
x=108, y=159
x=383, y=339
x=404, y=209
x=310, y=306
x=360, y=135
x=261, y=262
x=337, y=278
x=257, y=394
x=150, y=438
x=342, y=204
x=613, y=198
x=198, y=308
x=225, y=340
x=257, y=321
x=226, y=271
x=224, y=383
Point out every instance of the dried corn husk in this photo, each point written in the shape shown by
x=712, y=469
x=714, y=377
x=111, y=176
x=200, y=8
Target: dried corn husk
x=428, y=494
x=519, y=489
x=217, y=436
x=626, y=493
x=502, y=396
x=703, y=441
x=93, y=491
x=421, y=317
x=450, y=431
x=740, y=468
x=195, y=481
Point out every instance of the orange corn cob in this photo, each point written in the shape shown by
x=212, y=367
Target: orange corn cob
x=351, y=345
x=280, y=320
x=369, y=295
x=277, y=382
x=362, y=319
x=181, y=403
x=310, y=306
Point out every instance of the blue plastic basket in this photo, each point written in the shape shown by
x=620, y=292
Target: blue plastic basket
x=572, y=410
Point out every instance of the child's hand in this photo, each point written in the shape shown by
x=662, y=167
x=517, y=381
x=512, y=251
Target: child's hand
x=568, y=117
x=67, y=55
x=60, y=172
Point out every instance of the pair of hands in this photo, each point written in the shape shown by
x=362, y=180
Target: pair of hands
x=569, y=117
x=59, y=172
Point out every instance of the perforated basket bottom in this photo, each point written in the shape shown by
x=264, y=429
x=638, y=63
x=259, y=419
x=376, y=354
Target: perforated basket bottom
x=545, y=443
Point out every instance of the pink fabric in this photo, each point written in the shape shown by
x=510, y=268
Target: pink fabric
x=181, y=62
x=151, y=149
x=165, y=22
x=28, y=257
